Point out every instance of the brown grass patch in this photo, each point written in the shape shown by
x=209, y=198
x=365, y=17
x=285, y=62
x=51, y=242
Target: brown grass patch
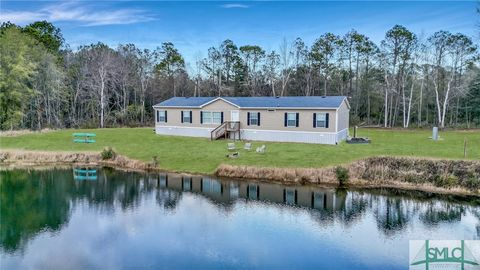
x=35, y=158
x=14, y=133
x=292, y=175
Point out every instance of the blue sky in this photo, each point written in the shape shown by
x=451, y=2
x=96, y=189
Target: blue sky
x=195, y=26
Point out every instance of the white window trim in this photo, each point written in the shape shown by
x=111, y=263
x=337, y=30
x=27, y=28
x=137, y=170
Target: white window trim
x=211, y=117
x=295, y=125
x=183, y=117
x=324, y=121
x=159, y=116
x=250, y=118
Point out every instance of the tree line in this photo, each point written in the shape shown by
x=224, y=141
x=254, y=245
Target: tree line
x=407, y=80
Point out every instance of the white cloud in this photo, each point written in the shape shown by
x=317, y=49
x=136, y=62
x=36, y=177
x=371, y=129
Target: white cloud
x=20, y=16
x=73, y=12
x=235, y=6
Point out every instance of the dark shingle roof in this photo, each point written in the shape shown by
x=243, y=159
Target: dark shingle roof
x=260, y=102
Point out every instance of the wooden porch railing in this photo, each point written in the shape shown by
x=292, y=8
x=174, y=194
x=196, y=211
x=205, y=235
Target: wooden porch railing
x=224, y=129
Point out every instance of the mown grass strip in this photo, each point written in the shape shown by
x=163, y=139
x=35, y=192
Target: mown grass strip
x=199, y=155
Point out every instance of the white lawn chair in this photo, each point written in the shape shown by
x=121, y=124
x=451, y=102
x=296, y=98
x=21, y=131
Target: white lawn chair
x=247, y=146
x=261, y=149
x=231, y=146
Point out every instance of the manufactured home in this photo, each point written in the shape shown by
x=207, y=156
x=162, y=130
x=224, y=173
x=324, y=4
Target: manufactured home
x=312, y=119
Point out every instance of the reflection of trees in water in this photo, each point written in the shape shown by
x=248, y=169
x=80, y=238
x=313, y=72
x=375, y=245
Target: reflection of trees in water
x=34, y=201
x=346, y=207
x=168, y=198
x=441, y=212
x=476, y=212
x=354, y=206
x=392, y=213
x=30, y=202
x=111, y=186
x=323, y=217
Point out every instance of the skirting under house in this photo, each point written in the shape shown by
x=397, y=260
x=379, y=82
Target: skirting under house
x=261, y=135
x=294, y=136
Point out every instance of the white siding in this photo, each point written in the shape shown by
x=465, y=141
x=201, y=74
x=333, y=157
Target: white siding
x=261, y=135
x=183, y=131
x=289, y=136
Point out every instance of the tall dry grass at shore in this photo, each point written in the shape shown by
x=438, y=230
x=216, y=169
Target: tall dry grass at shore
x=293, y=175
x=441, y=173
x=409, y=173
x=18, y=157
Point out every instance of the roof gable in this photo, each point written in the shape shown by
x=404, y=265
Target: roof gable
x=217, y=99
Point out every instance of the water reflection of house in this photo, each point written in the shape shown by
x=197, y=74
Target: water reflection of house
x=186, y=183
x=163, y=180
x=329, y=200
x=209, y=187
x=227, y=192
x=304, y=196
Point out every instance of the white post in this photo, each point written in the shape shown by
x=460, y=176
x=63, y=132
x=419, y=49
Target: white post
x=435, y=133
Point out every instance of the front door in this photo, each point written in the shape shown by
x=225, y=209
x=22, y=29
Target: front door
x=234, y=116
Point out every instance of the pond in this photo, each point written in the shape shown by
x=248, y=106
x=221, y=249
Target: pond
x=108, y=219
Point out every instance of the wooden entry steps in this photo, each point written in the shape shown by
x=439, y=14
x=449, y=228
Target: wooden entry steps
x=225, y=129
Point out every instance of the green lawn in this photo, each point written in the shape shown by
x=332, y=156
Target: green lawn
x=198, y=155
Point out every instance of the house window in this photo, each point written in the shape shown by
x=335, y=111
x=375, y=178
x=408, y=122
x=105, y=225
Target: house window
x=254, y=118
x=291, y=119
x=186, y=116
x=211, y=117
x=321, y=120
x=161, y=116
x=216, y=118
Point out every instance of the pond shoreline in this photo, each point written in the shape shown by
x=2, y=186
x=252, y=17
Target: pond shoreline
x=370, y=173
x=415, y=174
